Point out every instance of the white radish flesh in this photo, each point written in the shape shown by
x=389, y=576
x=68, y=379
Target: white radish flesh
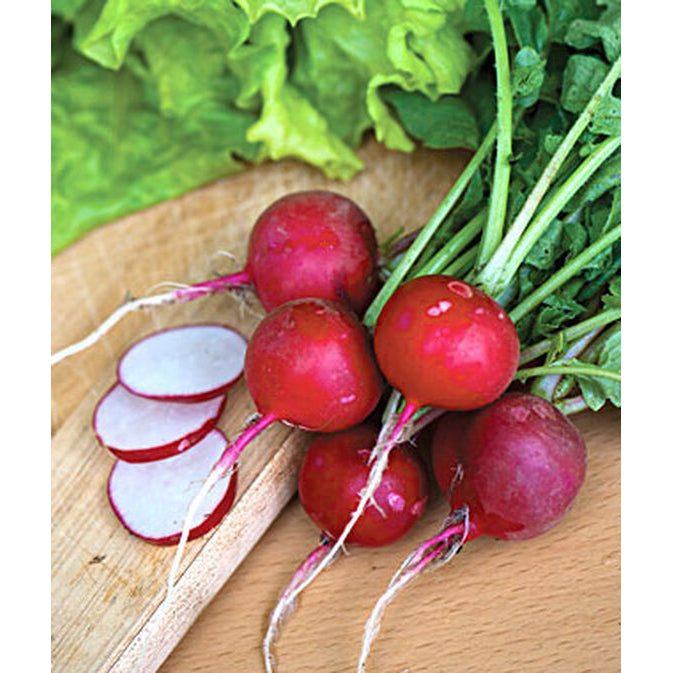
x=137, y=429
x=150, y=499
x=187, y=363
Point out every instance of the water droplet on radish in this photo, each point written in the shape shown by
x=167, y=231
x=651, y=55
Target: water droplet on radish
x=441, y=307
x=418, y=507
x=460, y=289
x=479, y=310
x=347, y=399
x=396, y=502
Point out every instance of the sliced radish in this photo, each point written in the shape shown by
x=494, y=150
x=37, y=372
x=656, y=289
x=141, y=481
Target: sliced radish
x=150, y=499
x=137, y=429
x=188, y=363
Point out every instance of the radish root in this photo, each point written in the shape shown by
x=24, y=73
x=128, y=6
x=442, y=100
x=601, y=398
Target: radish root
x=179, y=294
x=430, y=555
x=210, y=481
x=287, y=602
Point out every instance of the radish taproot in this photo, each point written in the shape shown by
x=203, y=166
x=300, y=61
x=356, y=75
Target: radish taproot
x=312, y=243
x=150, y=499
x=136, y=429
x=511, y=471
x=441, y=343
x=333, y=471
x=190, y=363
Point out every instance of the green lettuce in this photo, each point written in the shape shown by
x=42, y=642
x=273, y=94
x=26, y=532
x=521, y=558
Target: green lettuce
x=152, y=98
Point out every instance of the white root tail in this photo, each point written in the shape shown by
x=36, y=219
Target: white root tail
x=138, y=304
x=430, y=555
x=210, y=481
x=182, y=293
x=286, y=604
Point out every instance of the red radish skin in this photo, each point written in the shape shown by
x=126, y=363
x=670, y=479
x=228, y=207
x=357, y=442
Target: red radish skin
x=189, y=363
x=138, y=430
x=333, y=472
x=307, y=244
x=309, y=364
x=313, y=244
x=444, y=343
x=511, y=470
x=149, y=499
x=522, y=461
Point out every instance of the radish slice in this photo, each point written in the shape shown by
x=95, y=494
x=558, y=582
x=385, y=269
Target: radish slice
x=150, y=499
x=189, y=363
x=137, y=429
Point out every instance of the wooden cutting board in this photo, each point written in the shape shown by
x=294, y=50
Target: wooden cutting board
x=551, y=603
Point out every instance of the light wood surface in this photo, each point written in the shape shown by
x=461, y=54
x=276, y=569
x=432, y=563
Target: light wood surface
x=549, y=604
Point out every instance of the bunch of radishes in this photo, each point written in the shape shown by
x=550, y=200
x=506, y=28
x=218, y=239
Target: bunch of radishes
x=511, y=464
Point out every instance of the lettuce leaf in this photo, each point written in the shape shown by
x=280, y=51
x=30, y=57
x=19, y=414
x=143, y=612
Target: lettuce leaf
x=152, y=98
x=113, y=152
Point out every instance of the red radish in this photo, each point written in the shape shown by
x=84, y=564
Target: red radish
x=190, y=363
x=441, y=343
x=308, y=364
x=444, y=343
x=333, y=472
x=511, y=470
x=136, y=429
x=150, y=498
x=522, y=463
x=306, y=244
x=313, y=244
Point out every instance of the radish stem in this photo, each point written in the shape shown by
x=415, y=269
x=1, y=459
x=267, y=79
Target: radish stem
x=546, y=386
x=490, y=275
x=498, y=202
x=563, y=275
x=576, y=369
x=455, y=245
x=603, y=318
x=553, y=207
x=429, y=229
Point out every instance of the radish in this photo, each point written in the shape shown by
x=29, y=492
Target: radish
x=333, y=472
x=313, y=244
x=136, y=429
x=150, y=498
x=306, y=244
x=308, y=364
x=441, y=342
x=511, y=471
x=190, y=363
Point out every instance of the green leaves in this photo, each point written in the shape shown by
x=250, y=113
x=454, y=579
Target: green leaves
x=441, y=124
x=167, y=82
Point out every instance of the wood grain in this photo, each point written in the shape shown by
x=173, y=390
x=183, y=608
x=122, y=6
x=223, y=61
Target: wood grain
x=549, y=604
